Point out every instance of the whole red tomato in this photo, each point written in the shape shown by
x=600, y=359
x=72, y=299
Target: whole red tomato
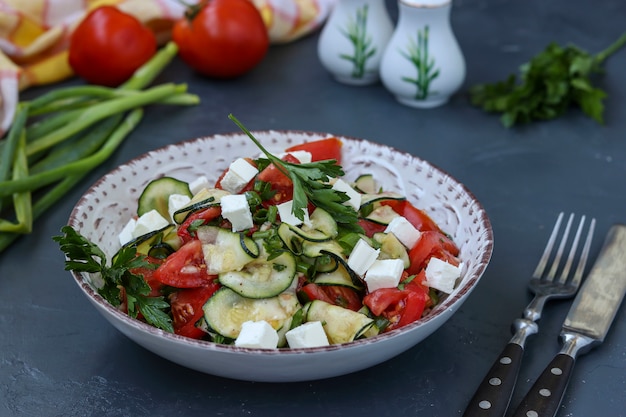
x=109, y=45
x=222, y=38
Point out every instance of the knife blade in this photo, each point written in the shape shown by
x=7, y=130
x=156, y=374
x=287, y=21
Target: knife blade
x=585, y=327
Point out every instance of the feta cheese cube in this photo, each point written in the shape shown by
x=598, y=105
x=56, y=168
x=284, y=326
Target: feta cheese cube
x=257, y=334
x=286, y=216
x=353, y=195
x=384, y=273
x=149, y=222
x=404, y=231
x=239, y=174
x=441, y=275
x=236, y=210
x=307, y=335
x=199, y=183
x=362, y=257
x=126, y=235
x=175, y=202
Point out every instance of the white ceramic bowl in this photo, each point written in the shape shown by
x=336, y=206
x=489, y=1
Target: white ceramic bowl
x=106, y=207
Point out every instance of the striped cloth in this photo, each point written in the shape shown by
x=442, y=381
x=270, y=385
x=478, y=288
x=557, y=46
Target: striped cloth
x=34, y=35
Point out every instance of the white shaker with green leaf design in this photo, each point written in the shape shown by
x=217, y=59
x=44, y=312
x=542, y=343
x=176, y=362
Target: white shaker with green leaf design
x=423, y=64
x=353, y=39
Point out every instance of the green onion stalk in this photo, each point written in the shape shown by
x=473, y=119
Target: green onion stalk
x=56, y=139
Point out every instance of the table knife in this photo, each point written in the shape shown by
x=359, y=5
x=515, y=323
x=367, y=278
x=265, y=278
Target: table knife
x=585, y=326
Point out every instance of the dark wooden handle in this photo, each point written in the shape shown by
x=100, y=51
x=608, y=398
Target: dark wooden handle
x=494, y=393
x=545, y=396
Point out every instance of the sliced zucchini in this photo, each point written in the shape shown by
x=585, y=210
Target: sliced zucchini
x=165, y=239
x=315, y=249
x=205, y=198
x=340, y=324
x=157, y=193
x=382, y=215
x=366, y=184
x=391, y=248
x=225, y=311
x=262, y=279
x=226, y=251
x=368, y=199
x=340, y=276
x=323, y=221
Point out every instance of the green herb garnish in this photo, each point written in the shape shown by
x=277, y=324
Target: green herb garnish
x=551, y=82
x=310, y=184
x=85, y=256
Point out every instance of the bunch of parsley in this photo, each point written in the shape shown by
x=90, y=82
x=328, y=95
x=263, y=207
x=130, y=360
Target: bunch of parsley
x=85, y=256
x=551, y=82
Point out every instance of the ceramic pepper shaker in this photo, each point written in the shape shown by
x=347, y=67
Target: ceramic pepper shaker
x=423, y=64
x=353, y=39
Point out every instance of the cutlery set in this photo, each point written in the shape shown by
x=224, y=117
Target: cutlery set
x=585, y=326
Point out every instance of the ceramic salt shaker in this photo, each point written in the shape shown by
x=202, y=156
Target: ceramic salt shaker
x=423, y=64
x=353, y=39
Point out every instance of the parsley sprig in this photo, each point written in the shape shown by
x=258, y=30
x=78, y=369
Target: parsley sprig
x=551, y=82
x=85, y=256
x=310, y=183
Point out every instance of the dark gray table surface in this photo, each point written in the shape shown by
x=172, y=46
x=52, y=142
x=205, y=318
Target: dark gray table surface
x=59, y=357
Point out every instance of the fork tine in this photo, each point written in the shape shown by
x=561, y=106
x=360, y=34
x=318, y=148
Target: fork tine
x=541, y=266
x=559, y=253
x=578, y=275
x=572, y=252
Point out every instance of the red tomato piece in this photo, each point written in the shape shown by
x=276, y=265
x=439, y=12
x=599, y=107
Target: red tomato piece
x=430, y=244
x=205, y=215
x=399, y=307
x=417, y=217
x=371, y=227
x=222, y=38
x=343, y=296
x=312, y=292
x=321, y=150
x=185, y=268
x=187, y=309
x=280, y=183
x=108, y=46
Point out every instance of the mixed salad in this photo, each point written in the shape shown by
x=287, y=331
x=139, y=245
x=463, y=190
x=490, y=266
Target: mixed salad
x=279, y=252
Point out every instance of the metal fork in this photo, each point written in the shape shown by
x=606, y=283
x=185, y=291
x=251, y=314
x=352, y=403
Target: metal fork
x=493, y=395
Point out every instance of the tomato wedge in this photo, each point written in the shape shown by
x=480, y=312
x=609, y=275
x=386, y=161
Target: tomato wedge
x=432, y=243
x=399, y=306
x=320, y=150
x=205, y=215
x=332, y=294
x=417, y=217
x=187, y=309
x=185, y=268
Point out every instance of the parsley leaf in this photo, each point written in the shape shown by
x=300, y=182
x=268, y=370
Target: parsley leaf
x=85, y=256
x=310, y=184
x=551, y=82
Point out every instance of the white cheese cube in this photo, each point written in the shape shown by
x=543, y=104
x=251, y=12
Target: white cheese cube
x=239, y=174
x=236, y=210
x=441, y=275
x=175, y=202
x=307, y=335
x=353, y=195
x=404, y=231
x=126, y=235
x=149, y=222
x=384, y=273
x=362, y=257
x=286, y=216
x=257, y=334
x=199, y=183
